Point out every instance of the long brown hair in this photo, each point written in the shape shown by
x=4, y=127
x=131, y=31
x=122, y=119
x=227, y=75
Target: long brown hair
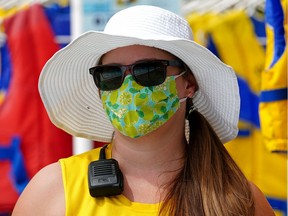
x=210, y=182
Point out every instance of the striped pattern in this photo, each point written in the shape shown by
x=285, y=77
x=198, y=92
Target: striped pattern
x=72, y=100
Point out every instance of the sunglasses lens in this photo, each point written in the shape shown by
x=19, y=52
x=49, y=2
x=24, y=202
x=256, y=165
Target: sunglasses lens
x=107, y=77
x=149, y=73
x=146, y=73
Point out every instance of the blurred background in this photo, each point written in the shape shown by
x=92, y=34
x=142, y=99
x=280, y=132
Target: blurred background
x=249, y=35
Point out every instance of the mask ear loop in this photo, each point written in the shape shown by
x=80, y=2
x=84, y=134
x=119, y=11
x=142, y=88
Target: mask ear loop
x=178, y=75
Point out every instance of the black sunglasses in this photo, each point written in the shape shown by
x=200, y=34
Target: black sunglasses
x=146, y=73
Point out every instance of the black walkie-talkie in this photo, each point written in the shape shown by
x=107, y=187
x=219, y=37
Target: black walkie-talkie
x=104, y=176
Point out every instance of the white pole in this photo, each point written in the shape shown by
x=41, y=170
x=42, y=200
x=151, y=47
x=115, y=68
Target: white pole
x=76, y=17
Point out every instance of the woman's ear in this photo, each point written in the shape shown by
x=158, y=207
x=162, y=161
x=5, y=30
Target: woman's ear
x=191, y=86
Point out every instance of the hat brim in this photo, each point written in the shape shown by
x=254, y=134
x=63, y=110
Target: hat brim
x=73, y=104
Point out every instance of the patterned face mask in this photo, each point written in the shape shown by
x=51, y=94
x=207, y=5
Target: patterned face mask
x=136, y=110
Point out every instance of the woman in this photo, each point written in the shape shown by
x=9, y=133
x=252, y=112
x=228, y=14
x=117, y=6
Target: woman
x=146, y=76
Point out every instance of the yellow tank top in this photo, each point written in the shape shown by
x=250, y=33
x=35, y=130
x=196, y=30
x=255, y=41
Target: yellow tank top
x=78, y=200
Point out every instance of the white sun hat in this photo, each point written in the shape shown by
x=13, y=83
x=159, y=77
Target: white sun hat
x=71, y=97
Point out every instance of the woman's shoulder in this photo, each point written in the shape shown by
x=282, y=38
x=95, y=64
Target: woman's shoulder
x=44, y=195
x=262, y=207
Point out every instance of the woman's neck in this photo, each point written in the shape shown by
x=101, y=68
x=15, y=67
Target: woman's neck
x=146, y=153
x=148, y=163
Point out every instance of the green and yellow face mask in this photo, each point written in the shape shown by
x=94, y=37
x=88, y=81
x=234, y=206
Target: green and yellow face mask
x=136, y=110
